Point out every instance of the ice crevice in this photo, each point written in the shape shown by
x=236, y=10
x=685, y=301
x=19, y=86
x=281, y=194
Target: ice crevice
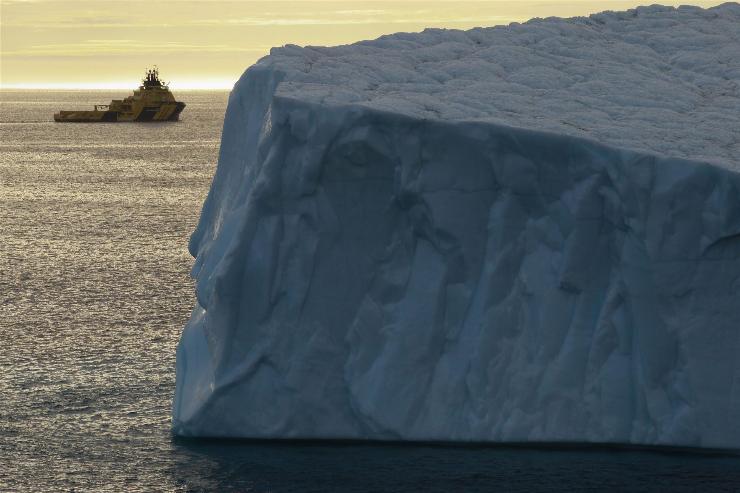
x=369, y=269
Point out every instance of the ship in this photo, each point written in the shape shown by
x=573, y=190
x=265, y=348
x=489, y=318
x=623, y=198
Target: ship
x=151, y=102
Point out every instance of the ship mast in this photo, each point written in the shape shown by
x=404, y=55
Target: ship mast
x=151, y=79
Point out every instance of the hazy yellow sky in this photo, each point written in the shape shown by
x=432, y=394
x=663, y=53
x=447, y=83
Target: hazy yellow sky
x=209, y=43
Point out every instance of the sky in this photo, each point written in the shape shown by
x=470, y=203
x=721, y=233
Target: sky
x=209, y=43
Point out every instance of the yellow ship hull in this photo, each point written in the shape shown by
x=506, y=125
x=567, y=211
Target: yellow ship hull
x=167, y=112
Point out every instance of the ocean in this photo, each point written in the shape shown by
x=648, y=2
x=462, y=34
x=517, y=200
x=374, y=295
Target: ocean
x=94, y=292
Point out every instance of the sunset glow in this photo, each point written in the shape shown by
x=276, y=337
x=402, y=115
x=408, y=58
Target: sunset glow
x=186, y=85
x=207, y=44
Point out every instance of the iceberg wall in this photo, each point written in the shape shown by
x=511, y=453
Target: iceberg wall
x=366, y=272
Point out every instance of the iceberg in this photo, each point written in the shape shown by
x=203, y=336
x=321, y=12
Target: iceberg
x=527, y=233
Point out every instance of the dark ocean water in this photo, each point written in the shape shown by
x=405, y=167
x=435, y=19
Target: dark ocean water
x=94, y=291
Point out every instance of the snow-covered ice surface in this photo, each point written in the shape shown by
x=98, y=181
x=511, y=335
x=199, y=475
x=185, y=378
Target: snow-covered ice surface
x=654, y=78
x=522, y=233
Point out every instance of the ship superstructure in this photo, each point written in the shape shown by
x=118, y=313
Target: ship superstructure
x=151, y=102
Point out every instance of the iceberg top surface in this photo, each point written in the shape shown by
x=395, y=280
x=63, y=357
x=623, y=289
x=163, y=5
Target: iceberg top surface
x=659, y=79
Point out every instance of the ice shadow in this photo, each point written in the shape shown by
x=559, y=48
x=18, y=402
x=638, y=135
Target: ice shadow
x=307, y=466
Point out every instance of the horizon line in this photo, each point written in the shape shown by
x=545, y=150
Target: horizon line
x=190, y=85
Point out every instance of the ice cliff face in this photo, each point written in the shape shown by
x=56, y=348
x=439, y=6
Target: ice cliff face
x=528, y=233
